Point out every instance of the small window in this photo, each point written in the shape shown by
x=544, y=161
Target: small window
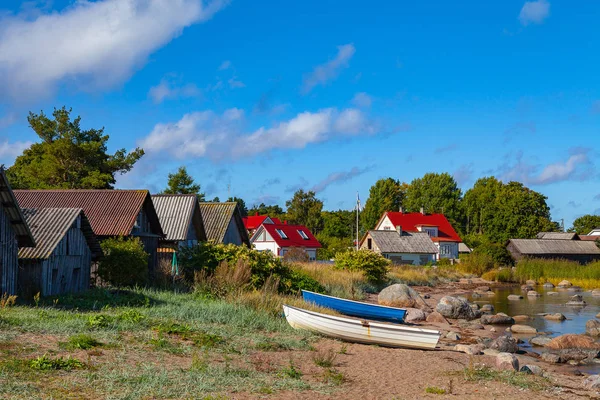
x=281, y=233
x=303, y=234
x=369, y=244
x=387, y=228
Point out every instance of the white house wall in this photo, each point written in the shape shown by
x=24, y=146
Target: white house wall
x=447, y=249
x=385, y=225
x=264, y=242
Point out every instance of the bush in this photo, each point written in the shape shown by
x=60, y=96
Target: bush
x=476, y=263
x=296, y=254
x=125, y=262
x=373, y=265
x=496, y=251
x=499, y=275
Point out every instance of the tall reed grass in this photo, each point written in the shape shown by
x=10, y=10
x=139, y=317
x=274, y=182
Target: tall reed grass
x=554, y=271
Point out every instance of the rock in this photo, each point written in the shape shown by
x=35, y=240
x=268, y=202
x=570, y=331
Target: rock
x=555, y=317
x=539, y=341
x=453, y=336
x=532, y=370
x=576, y=303
x=533, y=293
x=492, y=329
x=526, y=288
x=576, y=297
x=524, y=329
x=474, y=306
x=487, y=308
x=570, y=341
x=521, y=318
x=548, y=285
x=476, y=295
x=455, y=307
x=400, y=295
x=491, y=352
x=592, y=382
x=474, y=349
x=596, y=292
x=514, y=297
x=483, y=289
x=551, y=358
x=530, y=282
x=426, y=296
x=551, y=293
x=490, y=293
x=464, y=281
x=565, y=283
x=415, y=315
x=578, y=355
x=505, y=344
x=436, y=317
x=507, y=361
x=476, y=327
x=592, y=328
x=498, y=319
x=575, y=289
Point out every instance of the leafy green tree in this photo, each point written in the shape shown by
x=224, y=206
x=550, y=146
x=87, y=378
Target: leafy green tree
x=273, y=211
x=214, y=200
x=339, y=224
x=332, y=245
x=241, y=205
x=305, y=209
x=385, y=195
x=480, y=204
x=181, y=182
x=125, y=263
x=68, y=157
x=585, y=224
x=436, y=193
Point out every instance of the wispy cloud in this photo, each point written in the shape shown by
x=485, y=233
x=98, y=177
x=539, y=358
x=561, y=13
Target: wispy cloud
x=362, y=99
x=11, y=150
x=301, y=184
x=91, y=44
x=534, y=12
x=445, y=149
x=225, y=65
x=235, y=83
x=267, y=200
x=573, y=204
x=464, y=174
x=577, y=167
x=168, y=89
x=220, y=137
x=330, y=70
x=338, y=178
x=269, y=183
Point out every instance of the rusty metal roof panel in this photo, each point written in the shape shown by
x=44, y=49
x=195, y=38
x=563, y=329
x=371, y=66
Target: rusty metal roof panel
x=11, y=207
x=110, y=212
x=177, y=213
x=216, y=218
x=49, y=226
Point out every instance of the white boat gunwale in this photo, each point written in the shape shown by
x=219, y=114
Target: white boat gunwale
x=354, y=301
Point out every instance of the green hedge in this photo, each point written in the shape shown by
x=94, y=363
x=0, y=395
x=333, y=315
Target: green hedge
x=373, y=265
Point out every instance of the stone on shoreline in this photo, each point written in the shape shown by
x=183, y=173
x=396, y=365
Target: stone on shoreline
x=474, y=349
x=596, y=292
x=555, y=317
x=548, y=285
x=436, y=317
x=579, y=355
x=514, y=297
x=491, y=352
x=455, y=308
x=551, y=358
x=524, y=329
x=552, y=293
x=569, y=341
x=453, y=336
x=507, y=361
x=565, y=283
x=401, y=295
x=483, y=289
x=521, y=318
x=575, y=289
x=530, y=282
x=498, y=319
x=539, y=341
x=504, y=344
x=526, y=288
x=592, y=328
x=532, y=370
x=487, y=308
x=414, y=315
x=533, y=293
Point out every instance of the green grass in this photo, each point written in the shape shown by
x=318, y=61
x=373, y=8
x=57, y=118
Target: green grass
x=513, y=378
x=81, y=342
x=46, y=363
x=435, y=390
x=324, y=358
x=587, y=276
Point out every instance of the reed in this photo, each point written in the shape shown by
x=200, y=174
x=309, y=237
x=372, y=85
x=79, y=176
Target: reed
x=554, y=271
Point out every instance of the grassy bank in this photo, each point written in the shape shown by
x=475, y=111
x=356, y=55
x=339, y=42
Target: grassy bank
x=554, y=271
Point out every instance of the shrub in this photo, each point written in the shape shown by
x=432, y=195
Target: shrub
x=476, y=263
x=125, y=262
x=498, y=253
x=443, y=262
x=373, y=265
x=296, y=254
x=99, y=321
x=45, y=363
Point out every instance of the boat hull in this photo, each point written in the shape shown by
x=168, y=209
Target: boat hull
x=354, y=330
x=355, y=308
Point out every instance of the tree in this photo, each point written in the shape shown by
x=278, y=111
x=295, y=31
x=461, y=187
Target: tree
x=385, y=195
x=436, y=193
x=125, y=263
x=339, y=224
x=241, y=204
x=480, y=205
x=585, y=224
x=182, y=183
x=68, y=157
x=305, y=209
x=273, y=211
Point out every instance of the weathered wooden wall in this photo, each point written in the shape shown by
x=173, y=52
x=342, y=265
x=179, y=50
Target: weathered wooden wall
x=9, y=253
x=580, y=258
x=67, y=270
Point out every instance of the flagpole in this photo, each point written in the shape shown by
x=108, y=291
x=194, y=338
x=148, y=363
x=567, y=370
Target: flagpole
x=357, y=210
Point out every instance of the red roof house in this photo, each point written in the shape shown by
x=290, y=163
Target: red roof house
x=252, y=222
x=279, y=238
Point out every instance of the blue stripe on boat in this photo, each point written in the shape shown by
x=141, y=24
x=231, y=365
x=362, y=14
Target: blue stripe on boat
x=356, y=308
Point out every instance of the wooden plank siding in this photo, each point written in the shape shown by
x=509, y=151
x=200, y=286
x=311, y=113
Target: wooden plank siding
x=67, y=270
x=8, y=255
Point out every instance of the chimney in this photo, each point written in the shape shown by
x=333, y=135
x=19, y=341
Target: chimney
x=423, y=210
x=399, y=229
x=285, y=222
x=400, y=209
x=256, y=214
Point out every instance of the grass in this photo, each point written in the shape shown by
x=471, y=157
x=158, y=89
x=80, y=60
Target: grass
x=424, y=276
x=46, y=363
x=291, y=371
x=435, y=390
x=513, y=378
x=324, y=358
x=81, y=342
x=554, y=271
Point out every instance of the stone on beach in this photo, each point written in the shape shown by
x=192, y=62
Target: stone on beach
x=455, y=307
x=507, y=361
x=533, y=293
x=401, y=295
x=491, y=352
x=552, y=293
x=524, y=329
x=487, y=308
x=453, y=336
x=474, y=349
x=596, y=292
x=592, y=328
x=570, y=340
x=414, y=315
x=548, y=285
x=540, y=341
x=565, y=283
x=531, y=282
x=555, y=317
x=521, y=318
x=436, y=317
x=551, y=358
x=514, y=297
x=505, y=344
x=532, y=370
x=498, y=319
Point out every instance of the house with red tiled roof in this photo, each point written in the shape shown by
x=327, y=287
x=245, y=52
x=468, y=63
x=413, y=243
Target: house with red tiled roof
x=252, y=222
x=281, y=238
x=436, y=226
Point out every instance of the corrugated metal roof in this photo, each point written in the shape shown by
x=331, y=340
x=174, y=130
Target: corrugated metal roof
x=49, y=226
x=11, y=206
x=216, y=218
x=110, y=212
x=558, y=235
x=554, y=246
x=176, y=213
x=409, y=242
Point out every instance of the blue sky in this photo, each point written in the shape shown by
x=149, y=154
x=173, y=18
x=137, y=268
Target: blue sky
x=258, y=99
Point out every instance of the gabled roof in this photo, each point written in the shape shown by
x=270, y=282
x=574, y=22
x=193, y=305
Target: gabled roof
x=409, y=242
x=12, y=209
x=554, y=246
x=252, y=222
x=589, y=237
x=176, y=213
x=49, y=226
x=558, y=235
x=110, y=212
x=216, y=218
x=410, y=221
x=292, y=232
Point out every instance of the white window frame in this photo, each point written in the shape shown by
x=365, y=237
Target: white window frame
x=281, y=233
x=303, y=234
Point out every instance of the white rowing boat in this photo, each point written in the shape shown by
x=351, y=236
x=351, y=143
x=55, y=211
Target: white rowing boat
x=360, y=331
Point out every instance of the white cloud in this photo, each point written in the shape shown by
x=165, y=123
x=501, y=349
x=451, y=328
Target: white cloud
x=167, y=89
x=534, y=12
x=225, y=65
x=236, y=84
x=330, y=70
x=338, y=177
x=362, y=99
x=9, y=151
x=94, y=44
x=218, y=137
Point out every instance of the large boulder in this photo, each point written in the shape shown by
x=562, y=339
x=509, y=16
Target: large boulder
x=455, y=307
x=564, y=283
x=436, y=318
x=505, y=344
x=572, y=341
x=592, y=382
x=540, y=341
x=586, y=355
x=507, y=361
x=592, y=327
x=555, y=317
x=498, y=319
x=414, y=315
x=551, y=358
x=524, y=329
x=401, y=295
